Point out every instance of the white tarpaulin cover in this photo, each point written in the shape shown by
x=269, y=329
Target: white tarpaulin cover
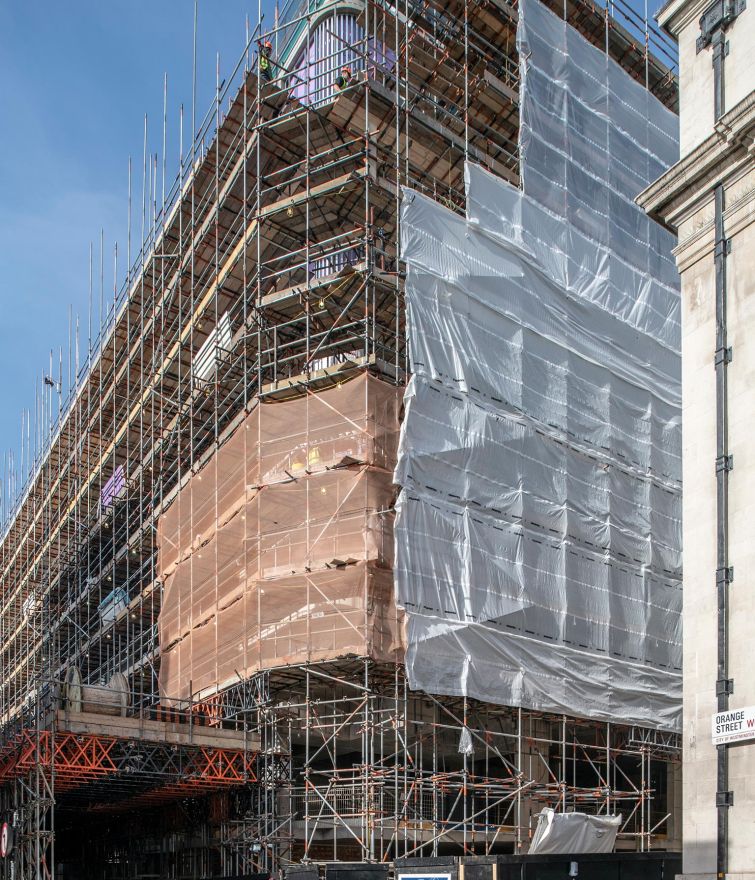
x=538, y=537
x=574, y=833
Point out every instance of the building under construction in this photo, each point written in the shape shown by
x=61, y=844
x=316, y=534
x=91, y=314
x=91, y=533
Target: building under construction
x=203, y=646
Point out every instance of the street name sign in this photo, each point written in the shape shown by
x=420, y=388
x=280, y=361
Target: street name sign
x=733, y=725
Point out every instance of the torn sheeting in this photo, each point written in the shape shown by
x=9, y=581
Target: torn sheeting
x=538, y=532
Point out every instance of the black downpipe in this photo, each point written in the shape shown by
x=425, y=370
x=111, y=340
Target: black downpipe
x=713, y=23
x=718, y=42
x=724, y=462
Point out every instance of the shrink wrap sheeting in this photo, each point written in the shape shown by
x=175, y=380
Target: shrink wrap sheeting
x=538, y=532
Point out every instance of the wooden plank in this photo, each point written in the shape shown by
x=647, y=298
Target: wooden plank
x=154, y=731
x=508, y=10
x=501, y=87
x=330, y=375
x=278, y=297
x=358, y=174
x=446, y=134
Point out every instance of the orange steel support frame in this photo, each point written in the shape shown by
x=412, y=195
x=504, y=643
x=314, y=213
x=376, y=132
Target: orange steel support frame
x=82, y=758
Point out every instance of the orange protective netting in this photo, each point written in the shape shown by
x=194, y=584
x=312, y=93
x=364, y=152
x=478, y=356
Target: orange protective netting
x=280, y=549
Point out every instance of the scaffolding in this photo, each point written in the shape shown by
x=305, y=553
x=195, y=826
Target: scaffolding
x=269, y=274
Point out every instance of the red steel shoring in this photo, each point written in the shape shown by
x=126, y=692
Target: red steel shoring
x=81, y=758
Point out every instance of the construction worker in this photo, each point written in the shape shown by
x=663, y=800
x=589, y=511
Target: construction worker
x=265, y=61
x=344, y=78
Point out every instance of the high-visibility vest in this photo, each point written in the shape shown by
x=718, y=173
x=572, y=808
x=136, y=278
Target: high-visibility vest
x=264, y=62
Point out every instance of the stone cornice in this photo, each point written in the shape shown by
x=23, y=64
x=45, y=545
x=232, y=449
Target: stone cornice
x=699, y=244
x=673, y=196
x=675, y=15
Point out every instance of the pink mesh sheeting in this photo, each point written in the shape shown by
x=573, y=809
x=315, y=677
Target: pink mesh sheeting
x=280, y=550
x=305, y=617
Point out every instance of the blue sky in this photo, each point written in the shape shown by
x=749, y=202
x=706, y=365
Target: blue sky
x=76, y=79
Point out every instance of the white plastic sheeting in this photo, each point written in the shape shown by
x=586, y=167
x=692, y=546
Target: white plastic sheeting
x=591, y=138
x=574, y=833
x=538, y=537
